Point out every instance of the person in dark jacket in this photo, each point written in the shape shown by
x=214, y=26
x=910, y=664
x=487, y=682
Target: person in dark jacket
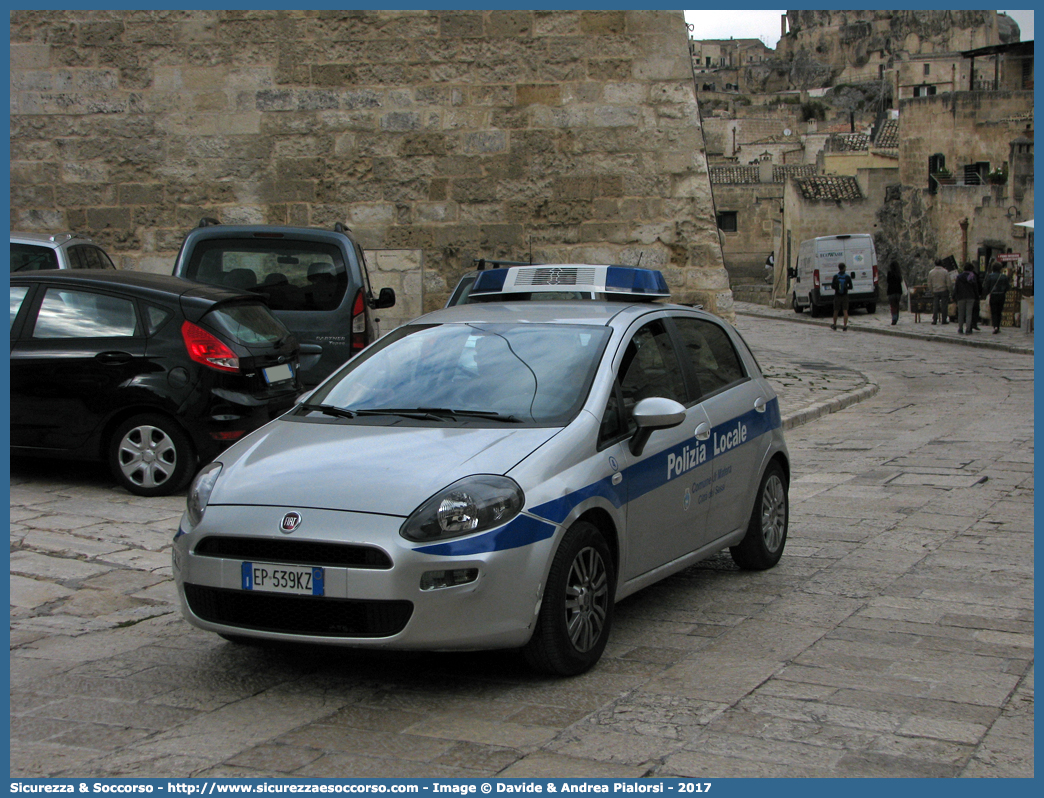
x=965, y=289
x=895, y=290
x=996, y=289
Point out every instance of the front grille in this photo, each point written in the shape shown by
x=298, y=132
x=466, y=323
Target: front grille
x=308, y=615
x=292, y=552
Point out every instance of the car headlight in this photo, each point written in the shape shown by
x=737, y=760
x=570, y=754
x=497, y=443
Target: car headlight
x=472, y=504
x=199, y=493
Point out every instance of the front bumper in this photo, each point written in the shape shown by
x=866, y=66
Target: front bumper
x=372, y=605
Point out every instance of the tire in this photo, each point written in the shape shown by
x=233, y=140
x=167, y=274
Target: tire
x=813, y=309
x=766, y=536
x=797, y=307
x=871, y=307
x=576, y=612
x=150, y=455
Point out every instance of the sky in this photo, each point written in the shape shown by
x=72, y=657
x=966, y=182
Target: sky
x=765, y=25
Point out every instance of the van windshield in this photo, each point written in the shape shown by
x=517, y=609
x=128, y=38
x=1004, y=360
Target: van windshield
x=290, y=275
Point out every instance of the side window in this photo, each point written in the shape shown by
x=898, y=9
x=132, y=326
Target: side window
x=154, y=318
x=649, y=368
x=29, y=258
x=708, y=349
x=85, y=257
x=81, y=314
x=18, y=293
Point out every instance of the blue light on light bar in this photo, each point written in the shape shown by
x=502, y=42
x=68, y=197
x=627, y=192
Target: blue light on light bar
x=623, y=279
x=490, y=281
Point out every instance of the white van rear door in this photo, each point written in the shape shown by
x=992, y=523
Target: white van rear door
x=859, y=260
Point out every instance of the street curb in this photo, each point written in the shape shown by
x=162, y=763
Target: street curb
x=980, y=344
x=832, y=405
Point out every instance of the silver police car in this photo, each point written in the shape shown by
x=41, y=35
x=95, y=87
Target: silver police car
x=493, y=476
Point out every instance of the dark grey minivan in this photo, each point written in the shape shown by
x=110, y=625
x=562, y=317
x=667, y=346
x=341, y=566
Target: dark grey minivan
x=314, y=281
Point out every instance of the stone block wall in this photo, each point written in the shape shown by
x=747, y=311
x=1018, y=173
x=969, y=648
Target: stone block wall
x=573, y=136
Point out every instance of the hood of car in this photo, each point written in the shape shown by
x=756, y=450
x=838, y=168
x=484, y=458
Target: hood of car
x=360, y=468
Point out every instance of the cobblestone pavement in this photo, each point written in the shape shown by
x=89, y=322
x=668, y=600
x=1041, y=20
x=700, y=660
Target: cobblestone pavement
x=895, y=638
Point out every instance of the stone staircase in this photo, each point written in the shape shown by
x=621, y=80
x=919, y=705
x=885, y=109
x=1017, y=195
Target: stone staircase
x=751, y=292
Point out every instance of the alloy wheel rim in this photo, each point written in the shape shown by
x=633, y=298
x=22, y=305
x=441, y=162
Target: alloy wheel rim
x=147, y=456
x=587, y=599
x=773, y=512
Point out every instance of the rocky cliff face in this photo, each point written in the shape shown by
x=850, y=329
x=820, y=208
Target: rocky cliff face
x=826, y=47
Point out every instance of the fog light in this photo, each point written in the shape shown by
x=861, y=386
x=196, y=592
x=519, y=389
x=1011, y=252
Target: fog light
x=436, y=580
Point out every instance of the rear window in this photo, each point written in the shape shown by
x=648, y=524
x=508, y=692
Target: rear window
x=249, y=323
x=290, y=275
x=30, y=258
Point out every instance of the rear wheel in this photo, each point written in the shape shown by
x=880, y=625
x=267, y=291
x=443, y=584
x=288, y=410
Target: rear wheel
x=766, y=536
x=576, y=612
x=871, y=307
x=151, y=456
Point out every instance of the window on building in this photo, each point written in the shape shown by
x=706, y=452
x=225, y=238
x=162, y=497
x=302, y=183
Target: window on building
x=975, y=173
x=727, y=221
x=927, y=69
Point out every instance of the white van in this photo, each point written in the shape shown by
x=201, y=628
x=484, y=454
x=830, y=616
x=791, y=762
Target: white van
x=817, y=263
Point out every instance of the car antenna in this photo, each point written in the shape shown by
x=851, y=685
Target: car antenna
x=639, y=263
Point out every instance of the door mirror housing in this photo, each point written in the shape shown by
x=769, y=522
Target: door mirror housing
x=385, y=299
x=651, y=414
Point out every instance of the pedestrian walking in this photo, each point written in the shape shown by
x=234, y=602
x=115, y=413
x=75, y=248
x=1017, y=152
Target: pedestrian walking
x=842, y=284
x=895, y=289
x=996, y=288
x=978, y=292
x=965, y=289
x=939, y=285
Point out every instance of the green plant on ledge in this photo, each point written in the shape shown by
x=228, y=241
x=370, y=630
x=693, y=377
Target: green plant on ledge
x=998, y=176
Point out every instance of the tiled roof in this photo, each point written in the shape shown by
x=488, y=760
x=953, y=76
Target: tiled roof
x=849, y=142
x=734, y=174
x=826, y=187
x=780, y=174
x=747, y=175
x=888, y=135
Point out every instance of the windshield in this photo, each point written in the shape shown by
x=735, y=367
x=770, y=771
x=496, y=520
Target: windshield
x=520, y=373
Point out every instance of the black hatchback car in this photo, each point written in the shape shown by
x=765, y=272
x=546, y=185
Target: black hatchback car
x=151, y=373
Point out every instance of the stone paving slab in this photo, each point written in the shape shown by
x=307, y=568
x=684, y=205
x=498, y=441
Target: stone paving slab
x=894, y=639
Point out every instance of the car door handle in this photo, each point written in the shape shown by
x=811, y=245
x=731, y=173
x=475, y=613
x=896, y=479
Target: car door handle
x=703, y=431
x=759, y=404
x=114, y=358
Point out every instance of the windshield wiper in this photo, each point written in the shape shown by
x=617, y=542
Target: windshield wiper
x=437, y=413
x=330, y=410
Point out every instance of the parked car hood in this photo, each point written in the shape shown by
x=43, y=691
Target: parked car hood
x=370, y=469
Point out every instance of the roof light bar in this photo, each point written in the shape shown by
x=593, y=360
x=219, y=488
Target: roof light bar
x=613, y=281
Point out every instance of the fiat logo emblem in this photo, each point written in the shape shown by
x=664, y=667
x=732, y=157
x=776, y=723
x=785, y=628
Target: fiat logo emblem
x=290, y=522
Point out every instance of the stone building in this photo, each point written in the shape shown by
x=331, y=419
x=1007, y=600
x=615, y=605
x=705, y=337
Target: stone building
x=437, y=136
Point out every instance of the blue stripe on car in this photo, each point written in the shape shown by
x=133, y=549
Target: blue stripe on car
x=643, y=477
x=522, y=530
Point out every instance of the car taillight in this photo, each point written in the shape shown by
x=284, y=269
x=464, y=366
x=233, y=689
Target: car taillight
x=815, y=278
x=205, y=348
x=875, y=274
x=358, y=323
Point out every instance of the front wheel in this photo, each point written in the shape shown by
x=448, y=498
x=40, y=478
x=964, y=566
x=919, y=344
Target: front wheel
x=871, y=307
x=150, y=455
x=576, y=612
x=797, y=307
x=766, y=536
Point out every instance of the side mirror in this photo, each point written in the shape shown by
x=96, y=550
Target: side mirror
x=385, y=299
x=791, y=272
x=656, y=412
x=303, y=397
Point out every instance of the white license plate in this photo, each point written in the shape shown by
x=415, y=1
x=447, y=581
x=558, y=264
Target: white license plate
x=280, y=373
x=269, y=578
